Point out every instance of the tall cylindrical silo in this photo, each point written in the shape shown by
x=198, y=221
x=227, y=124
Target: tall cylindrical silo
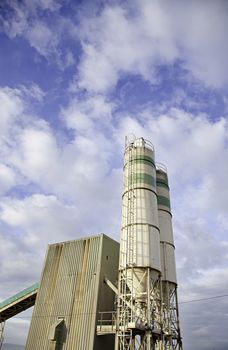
x=168, y=265
x=140, y=241
x=140, y=265
x=166, y=230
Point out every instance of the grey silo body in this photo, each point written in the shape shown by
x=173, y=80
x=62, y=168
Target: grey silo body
x=139, y=215
x=172, y=339
x=166, y=230
x=72, y=289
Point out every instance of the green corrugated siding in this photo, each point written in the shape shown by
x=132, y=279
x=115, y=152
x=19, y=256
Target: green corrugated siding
x=19, y=295
x=142, y=178
x=164, y=201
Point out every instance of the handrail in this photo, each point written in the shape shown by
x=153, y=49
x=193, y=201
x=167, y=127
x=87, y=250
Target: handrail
x=161, y=166
x=146, y=143
x=110, y=318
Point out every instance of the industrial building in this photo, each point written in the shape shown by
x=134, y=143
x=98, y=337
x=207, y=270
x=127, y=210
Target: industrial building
x=95, y=293
x=72, y=292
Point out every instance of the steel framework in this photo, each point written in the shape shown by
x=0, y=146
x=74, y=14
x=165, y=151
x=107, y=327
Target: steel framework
x=171, y=326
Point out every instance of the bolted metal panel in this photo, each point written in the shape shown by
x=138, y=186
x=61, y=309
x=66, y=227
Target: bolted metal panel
x=72, y=290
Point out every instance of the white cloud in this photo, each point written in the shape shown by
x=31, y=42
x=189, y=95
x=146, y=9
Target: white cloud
x=130, y=38
x=137, y=38
x=11, y=108
x=148, y=34
x=204, y=43
x=89, y=113
x=34, y=91
x=38, y=217
x=14, y=119
x=15, y=23
x=46, y=39
x=130, y=47
x=23, y=19
x=18, y=16
x=42, y=38
x=16, y=261
x=36, y=154
x=69, y=59
x=7, y=178
x=51, y=5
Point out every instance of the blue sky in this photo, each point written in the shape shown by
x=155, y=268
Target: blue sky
x=75, y=78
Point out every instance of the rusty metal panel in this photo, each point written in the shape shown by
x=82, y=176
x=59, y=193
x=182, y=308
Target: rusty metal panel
x=72, y=290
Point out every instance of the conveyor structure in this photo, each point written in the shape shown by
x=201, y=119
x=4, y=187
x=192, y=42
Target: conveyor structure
x=16, y=304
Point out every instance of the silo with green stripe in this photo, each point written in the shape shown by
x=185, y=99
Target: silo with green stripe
x=171, y=329
x=140, y=237
x=140, y=265
x=165, y=224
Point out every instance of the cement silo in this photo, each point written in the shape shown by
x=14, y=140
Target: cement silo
x=171, y=329
x=139, y=298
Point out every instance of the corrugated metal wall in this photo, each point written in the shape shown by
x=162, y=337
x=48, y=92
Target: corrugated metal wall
x=72, y=288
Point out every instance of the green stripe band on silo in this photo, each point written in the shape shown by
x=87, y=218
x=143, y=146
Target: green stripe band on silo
x=142, y=178
x=162, y=183
x=142, y=159
x=164, y=201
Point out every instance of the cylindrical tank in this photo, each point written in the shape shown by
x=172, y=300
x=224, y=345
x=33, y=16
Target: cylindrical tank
x=166, y=231
x=140, y=238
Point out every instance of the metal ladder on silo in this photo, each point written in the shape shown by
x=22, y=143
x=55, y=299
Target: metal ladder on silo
x=131, y=237
x=126, y=313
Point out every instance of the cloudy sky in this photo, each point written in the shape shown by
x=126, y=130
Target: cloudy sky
x=75, y=78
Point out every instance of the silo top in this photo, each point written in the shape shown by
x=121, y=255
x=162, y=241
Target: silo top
x=139, y=149
x=140, y=142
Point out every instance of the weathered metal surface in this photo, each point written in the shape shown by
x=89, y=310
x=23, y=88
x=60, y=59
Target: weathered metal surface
x=72, y=289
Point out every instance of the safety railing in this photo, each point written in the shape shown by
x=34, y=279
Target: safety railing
x=106, y=322
x=162, y=167
x=137, y=142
